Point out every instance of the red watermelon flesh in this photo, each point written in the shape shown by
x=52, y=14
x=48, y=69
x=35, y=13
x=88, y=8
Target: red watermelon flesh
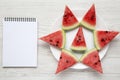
x=56, y=38
x=102, y=38
x=79, y=43
x=67, y=59
x=92, y=59
x=69, y=20
x=89, y=20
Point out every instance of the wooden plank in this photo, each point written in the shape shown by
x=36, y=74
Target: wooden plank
x=47, y=11
x=79, y=76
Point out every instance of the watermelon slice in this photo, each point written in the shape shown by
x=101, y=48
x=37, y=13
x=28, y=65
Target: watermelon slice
x=67, y=59
x=69, y=20
x=56, y=39
x=91, y=58
x=78, y=43
x=89, y=20
x=102, y=38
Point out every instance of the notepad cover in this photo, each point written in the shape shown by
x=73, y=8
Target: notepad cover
x=19, y=42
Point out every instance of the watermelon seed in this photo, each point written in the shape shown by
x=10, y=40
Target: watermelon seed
x=79, y=39
x=102, y=40
x=95, y=56
x=64, y=16
x=56, y=44
x=60, y=57
x=106, y=31
x=96, y=63
x=67, y=61
x=98, y=60
x=64, y=68
x=57, y=41
x=71, y=15
x=50, y=40
x=92, y=17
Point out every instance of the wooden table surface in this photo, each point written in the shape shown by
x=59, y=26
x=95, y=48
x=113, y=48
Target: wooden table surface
x=47, y=11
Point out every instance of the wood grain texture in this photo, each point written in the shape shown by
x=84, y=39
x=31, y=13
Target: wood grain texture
x=47, y=11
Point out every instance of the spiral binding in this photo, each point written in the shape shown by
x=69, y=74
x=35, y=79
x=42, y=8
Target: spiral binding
x=20, y=19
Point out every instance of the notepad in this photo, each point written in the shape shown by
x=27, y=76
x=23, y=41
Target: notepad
x=19, y=42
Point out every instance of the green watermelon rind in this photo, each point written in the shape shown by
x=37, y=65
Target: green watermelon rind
x=73, y=26
x=64, y=39
x=87, y=53
x=96, y=40
x=70, y=54
x=81, y=48
x=87, y=25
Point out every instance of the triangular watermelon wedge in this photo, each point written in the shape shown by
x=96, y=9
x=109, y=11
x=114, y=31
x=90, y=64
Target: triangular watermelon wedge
x=91, y=58
x=79, y=43
x=89, y=19
x=102, y=38
x=67, y=59
x=56, y=38
x=69, y=20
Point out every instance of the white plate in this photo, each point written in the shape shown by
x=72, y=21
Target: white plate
x=87, y=34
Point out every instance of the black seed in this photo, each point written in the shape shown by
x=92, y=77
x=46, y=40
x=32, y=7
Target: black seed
x=50, y=40
x=92, y=17
x=57, y=41
x=96, y=63
x=61, y=57
x=71, y=15
x=95, y=56
x=64, y=67
x=67, y=61
x=102, y=40
x=79, y=39
x=98, y=60
x=106, y=31
x=56, y=44
x=65, y=16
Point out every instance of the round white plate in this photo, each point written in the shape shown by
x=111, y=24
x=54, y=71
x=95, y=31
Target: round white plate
x=87, y=34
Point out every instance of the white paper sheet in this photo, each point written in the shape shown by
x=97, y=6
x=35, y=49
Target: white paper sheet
x=19, y=42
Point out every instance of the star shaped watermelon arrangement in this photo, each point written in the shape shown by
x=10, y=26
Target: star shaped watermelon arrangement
x=90, y=57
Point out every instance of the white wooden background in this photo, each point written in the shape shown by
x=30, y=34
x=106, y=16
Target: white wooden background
x=47, y=11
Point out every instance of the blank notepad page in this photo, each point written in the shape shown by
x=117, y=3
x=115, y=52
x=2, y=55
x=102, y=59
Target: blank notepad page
x=19, y=42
